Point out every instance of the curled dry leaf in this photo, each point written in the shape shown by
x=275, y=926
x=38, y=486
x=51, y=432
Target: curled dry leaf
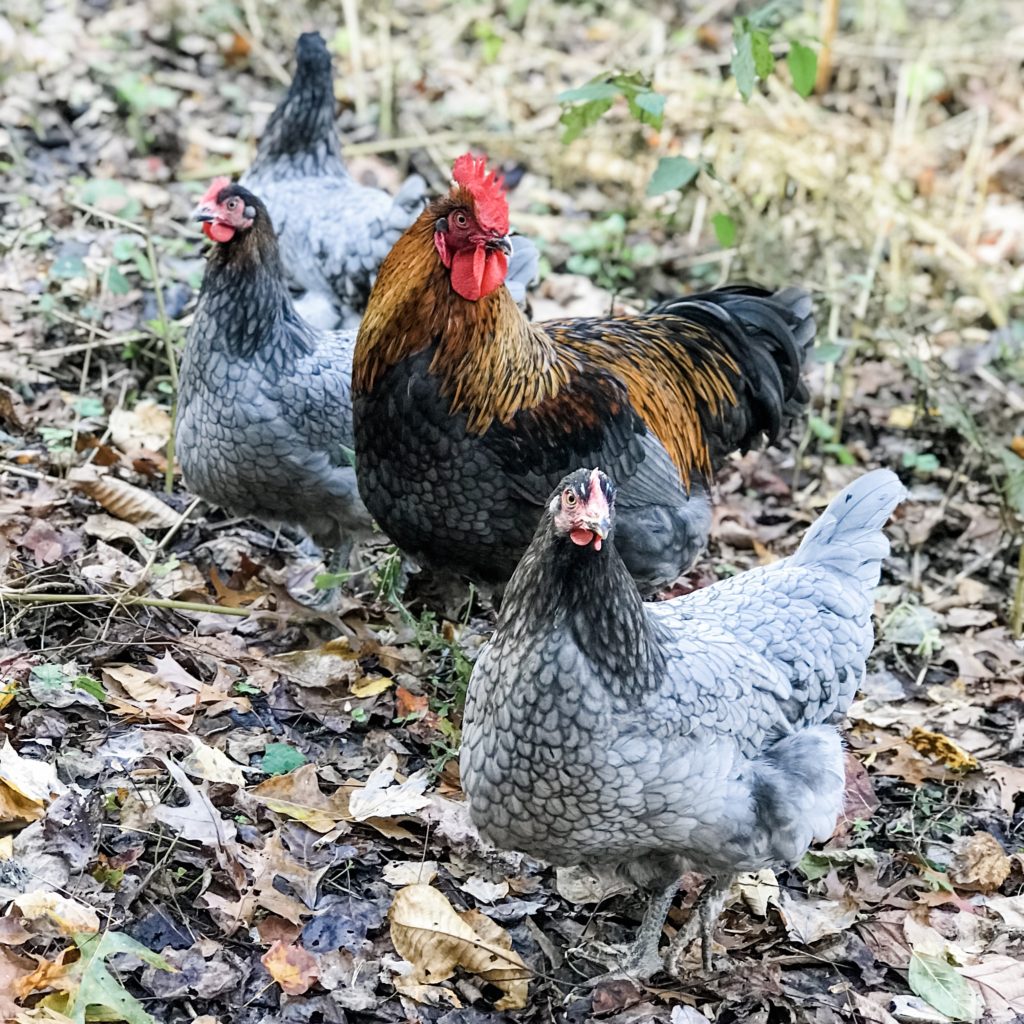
x=979, y=863
x=427, y=931
x=291, y=966
x=124, y=500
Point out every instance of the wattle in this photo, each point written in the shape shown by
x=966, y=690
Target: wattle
x=218, y=232
x=583, y=538
x=477, y=272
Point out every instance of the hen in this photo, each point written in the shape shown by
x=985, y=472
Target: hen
x=467, y=414
x=333, y=231
x=688, y=735
x=264, y=421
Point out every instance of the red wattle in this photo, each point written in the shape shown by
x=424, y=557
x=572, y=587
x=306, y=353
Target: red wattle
x=218, y=232
x=583, y=538
x=477, y=272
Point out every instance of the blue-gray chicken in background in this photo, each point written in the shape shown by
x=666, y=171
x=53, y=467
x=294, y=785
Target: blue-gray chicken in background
x=334, y=232
x=690, y=735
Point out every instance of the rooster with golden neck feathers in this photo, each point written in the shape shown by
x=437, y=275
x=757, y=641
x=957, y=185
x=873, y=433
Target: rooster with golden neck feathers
x=467, y=413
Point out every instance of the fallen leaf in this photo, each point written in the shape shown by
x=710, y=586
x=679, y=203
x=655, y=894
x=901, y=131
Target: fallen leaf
x=1010, y=909
x=370, y=686
x=939, y=984
x=1000, y=979
x=147, y=426
x=381, y=797
x=808, y=920
x=134, y=505
x=426, y=931
x=1010, y=780
x=409, y=872
x=941, y=749
x=291, y=966
x=212, y=764
x=26, y=786
x=11, y=974
x=979, y=863
x=758, y=890
x=68, y=915
x=198, y=820
x=484, y=891
x=297, y=795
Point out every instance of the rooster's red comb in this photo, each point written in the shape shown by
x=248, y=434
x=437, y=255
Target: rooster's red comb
x=487, y=189
x=215, y=189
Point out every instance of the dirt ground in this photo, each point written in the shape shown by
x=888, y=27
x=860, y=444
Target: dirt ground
x=185, y=776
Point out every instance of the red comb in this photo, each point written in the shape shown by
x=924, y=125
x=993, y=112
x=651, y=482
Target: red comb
x=487, y=189
x=214, y=190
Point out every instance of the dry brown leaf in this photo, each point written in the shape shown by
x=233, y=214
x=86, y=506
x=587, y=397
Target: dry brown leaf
x=758, y=890
x=198, y=820
x=124, y=500
x=808, y=920
x=1001, y=982
x=370, y=686
x=979, y=863
x=941, y=750
x=297, y=795
x=291, y=966
x=426, y=931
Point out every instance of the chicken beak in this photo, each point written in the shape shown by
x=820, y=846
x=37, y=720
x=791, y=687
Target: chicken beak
x=203, y=213
x=601, y=526
x=501, y=243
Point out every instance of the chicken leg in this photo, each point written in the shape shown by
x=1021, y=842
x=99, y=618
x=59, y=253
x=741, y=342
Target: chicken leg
x=702, y=920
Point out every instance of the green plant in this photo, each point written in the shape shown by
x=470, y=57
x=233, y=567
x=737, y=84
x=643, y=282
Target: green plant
x=600, y=251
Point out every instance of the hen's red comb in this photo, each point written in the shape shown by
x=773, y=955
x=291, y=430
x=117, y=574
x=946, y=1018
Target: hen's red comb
x=487, y=189
x=214, y=190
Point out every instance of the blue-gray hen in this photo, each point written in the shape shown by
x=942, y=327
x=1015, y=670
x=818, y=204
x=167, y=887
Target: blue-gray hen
x=333, y=232
x=264, y=422
x=693, y=734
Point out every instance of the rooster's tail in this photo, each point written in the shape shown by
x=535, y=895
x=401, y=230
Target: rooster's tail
x=848, y=537
x=769, y=336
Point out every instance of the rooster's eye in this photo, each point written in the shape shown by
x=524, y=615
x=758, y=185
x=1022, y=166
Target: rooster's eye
x=569, y=498
x=232, y=203
x=460, y=219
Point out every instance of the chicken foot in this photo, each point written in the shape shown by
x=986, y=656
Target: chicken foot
x=643, y=960
x=703, y=916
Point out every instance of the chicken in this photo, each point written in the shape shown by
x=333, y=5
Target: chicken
x=689, y=735
x=467, y=414
x=264, y=419
x=333, y=232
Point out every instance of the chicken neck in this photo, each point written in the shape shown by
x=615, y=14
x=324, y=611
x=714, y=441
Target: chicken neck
x=592, y=595
x=245, y=296
x=492, y=363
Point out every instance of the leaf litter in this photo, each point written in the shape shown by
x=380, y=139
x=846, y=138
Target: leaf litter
x=265, y=797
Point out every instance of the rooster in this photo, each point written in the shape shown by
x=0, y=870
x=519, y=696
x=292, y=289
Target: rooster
x=264, y=416
x=687, y=735
x=467, y=413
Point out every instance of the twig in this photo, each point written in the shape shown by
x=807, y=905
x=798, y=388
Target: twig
x=827, y=25
x=1017, y=611
x=28, y=597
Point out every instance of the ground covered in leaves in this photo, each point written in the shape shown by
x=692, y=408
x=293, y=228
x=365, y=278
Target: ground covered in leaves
x=198, y=772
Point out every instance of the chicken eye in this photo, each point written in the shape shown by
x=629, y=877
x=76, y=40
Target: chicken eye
x=569, y=498
x=232, y=204
x=460, y=219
